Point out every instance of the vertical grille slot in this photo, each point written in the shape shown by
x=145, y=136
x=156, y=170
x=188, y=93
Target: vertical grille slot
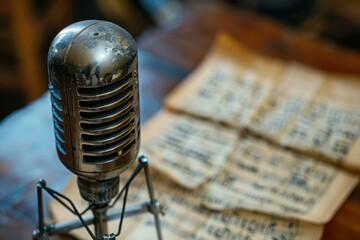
x=97, y=159
x=54, y=90
x=57, y=115
x=92, y=91
x=102, y=114
x=129, y=146
x=91, y=127
x=106, y=137
x=60, y=147
x=58, y=121
x=99, y=103
x=99, y=148
x=107, y=123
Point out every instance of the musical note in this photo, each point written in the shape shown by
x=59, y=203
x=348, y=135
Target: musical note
x=209, y=178
x=183, y=213
x=268, y=179
x=187, y=149
x=252, y=226
x=186, y=219
x=326, y=130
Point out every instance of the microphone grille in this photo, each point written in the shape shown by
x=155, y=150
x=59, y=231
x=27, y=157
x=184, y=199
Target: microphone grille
x=93, y=82
x=107, y=120
x=58, y=119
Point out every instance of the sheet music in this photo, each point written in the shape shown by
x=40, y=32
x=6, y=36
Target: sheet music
x=186, y=149
x=251, y=226
x=288, y=103
x=228, y=86
x=183, y=214
x=325, y=129
x=205, y=169
x=186, y=219
x=296, y=86
x=329, y=126
x=272, y=180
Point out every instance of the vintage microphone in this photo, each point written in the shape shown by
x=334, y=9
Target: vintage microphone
x=93, y=82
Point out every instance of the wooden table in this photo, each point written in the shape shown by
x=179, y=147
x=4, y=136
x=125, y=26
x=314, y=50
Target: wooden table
x=166, y=56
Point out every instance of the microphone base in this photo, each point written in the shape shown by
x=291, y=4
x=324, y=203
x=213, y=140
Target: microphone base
x=100, y=210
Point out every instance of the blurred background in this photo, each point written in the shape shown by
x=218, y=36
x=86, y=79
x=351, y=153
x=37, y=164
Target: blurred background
x=27, y=28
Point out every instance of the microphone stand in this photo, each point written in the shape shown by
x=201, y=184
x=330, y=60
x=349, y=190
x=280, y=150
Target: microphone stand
x=100, y=211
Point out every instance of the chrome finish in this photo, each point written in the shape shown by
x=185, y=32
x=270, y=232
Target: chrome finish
x=100, y=221
x=98, y=192
x=93, y=81
x=101, y=215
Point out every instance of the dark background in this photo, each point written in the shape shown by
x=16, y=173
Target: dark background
x=27, y=28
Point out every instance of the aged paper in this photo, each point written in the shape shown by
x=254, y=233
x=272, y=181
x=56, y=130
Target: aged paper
x=296, y=86
x=186, y=149
x=293, y=105
x=183, y=213
x=252, y=226
x=268, y=179
x=186, y=219
x=330, y=124
x=228, y=86
x=198, y=162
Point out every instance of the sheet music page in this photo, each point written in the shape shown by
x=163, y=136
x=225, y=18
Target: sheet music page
x=215, y=182
x=186, y=149
x=329, y=126
x=296, y=85
x=183, y=213
x=253, y=226
x=228, y=86
x=186, y=219
x=268, y=179
x=289, y=103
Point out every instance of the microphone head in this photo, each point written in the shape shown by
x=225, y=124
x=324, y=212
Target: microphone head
x=93, y=81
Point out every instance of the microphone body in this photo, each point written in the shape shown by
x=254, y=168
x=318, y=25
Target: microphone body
x=93, y=81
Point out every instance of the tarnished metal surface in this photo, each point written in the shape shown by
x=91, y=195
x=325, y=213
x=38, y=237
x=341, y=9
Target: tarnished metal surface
x=93, y=82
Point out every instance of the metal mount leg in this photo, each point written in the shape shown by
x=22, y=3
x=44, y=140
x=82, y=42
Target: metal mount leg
x=41, y=232
x=155, y=207
x=100, y=213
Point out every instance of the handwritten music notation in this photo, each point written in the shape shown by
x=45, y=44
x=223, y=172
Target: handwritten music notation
x=337, y=128
x=186, y=219
x=221, y=152
x=263, y=178
x=251, y=226
x=187, y=149
x=291, y=104
x=184, y=216
x=232, y=99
